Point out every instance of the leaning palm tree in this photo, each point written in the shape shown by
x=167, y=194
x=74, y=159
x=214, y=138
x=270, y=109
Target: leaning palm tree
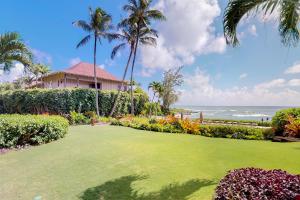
x=140, y=16
x=12, y=49
x=156, y=87
x=288, y=18
x=128, y=38
x=98, y=27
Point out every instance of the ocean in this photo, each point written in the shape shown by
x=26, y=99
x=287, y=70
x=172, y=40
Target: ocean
x=234, y=112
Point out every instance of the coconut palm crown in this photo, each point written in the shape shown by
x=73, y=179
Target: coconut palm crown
x=288, y=17
x=12, y=49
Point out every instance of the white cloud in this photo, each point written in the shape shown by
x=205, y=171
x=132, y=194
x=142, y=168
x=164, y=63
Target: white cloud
x=243, y=76
x=295, y=69
x=14, y=73
x=188, y=32
x=294, y=82
x=201, y=91
x=74, y=61
x=41, y=56
x=102, y=66
x=252, y=30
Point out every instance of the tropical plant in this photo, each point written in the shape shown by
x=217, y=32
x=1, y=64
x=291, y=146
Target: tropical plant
x=39, y=70
x=157, y=89
x=288, y=17
x=172, y=79
x=128, y=37
x=98, y=27
x=140, y=16
x=12, y=49
x=292, y=129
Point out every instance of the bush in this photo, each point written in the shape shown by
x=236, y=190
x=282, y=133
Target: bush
x=281, y=119
x=251, y=183
x=235, y=132
x=30, y=129
x=63, y=101
x=78, y=118
x=152, y=109
x=292, y=129
x=172, y=125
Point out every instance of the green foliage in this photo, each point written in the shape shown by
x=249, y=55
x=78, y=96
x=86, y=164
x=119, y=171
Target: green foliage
x=240, y=122
x=281, y=119
x=30, y=129
x=173, y=125
x=152, y=109
x=63, y=101
x=78, y=118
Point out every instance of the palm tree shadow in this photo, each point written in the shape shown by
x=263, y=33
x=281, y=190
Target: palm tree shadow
x=121, y=189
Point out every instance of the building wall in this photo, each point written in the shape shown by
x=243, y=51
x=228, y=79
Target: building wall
x=72, y=81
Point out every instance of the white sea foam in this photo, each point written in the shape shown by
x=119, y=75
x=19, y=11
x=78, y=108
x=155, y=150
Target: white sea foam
x=250, y=115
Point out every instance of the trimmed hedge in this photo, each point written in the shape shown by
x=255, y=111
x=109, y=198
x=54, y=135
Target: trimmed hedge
x=218, y=131
x=281, y=119
x=30, y=129
x=63, y=101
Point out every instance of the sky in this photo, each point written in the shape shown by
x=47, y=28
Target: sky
x=259, y=72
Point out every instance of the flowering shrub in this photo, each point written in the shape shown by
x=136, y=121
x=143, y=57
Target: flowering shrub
x=30, y=129
x=189, y=126
x=292, y=129
x=251, y=183
x=281, y=119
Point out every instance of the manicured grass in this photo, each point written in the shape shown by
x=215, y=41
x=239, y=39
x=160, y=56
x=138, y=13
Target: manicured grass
x=117, y=163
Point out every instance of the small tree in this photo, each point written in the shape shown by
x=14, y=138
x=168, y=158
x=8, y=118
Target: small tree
x=172, y=79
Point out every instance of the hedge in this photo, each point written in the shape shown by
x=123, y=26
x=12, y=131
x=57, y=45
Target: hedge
x=218, y=131
x=281, y=119
x=30, y=129
x=63, y=101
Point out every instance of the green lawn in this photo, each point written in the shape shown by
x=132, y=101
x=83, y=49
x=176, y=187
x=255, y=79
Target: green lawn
x=116, y=163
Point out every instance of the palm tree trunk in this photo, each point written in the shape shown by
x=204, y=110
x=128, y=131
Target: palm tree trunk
x=122, y=85
x=95, y=76
x=132, y=68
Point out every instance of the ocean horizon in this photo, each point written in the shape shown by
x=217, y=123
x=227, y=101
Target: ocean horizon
x=234, y=112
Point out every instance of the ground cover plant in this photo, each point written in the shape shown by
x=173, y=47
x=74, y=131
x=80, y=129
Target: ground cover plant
x=30, y=129
x=114, y=163
x=251, y=183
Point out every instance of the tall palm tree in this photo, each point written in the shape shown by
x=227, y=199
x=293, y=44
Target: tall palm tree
x=140, y=16
x=156, y=87
x=12, y=49
x=128, y=38
x=288, y=18
x=98, y=27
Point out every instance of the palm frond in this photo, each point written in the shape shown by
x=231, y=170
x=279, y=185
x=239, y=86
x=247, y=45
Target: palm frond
x=289, y=19
x=83, y=25
x=155, y=14
x=84, y=41
x=148, y=41
x=234, y=12
x=116, y=49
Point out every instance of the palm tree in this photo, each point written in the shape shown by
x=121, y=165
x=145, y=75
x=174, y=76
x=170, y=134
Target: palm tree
x=98, y=27
x=39, y=70
x=128, y=37
x=288, y=18
x=12, y=49
x=140, y=16
x=156, y=87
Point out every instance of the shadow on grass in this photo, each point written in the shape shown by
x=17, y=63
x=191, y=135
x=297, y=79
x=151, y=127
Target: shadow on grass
x=121, y=189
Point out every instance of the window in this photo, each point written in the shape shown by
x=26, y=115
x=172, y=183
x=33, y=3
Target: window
x=92, y=85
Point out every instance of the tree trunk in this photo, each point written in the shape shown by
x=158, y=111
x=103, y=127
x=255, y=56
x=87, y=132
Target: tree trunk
x=132, y=67
x=95, y=76
x=122, y=85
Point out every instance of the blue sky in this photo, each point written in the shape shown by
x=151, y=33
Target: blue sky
x=255, y=73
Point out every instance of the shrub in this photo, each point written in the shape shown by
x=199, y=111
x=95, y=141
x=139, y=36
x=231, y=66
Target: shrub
x=30, y=129
x=235, y=132
x=152, y=109
x=63, y=101
x=292, y=129
x=281, y=119
x=78, y=118
x=189, y=126
x=251, y=183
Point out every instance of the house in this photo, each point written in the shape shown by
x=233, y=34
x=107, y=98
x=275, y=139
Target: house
x=81, y=75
